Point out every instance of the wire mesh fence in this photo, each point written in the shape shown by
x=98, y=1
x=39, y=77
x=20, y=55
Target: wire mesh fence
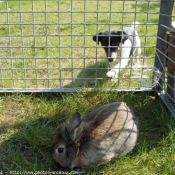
x=47, y=45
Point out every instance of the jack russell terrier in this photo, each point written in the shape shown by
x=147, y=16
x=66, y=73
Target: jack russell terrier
x=119, y=46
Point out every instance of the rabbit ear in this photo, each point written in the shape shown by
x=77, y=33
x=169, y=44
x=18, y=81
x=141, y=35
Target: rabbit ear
x=78, y=132
x=76, y=127
x=75, y=121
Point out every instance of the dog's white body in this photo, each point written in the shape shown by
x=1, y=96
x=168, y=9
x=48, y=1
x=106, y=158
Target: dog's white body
x=122, y=57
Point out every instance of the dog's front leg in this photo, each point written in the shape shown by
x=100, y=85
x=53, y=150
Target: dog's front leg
x=114, y=72
x=124, y=58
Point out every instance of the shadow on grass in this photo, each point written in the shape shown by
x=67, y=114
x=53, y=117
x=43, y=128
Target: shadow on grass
x=29, y=148
x=93, y=76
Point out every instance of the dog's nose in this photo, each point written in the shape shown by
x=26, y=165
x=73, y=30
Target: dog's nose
x=110, y=59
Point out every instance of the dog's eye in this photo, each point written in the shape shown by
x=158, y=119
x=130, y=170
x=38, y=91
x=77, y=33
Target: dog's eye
x=60, y=150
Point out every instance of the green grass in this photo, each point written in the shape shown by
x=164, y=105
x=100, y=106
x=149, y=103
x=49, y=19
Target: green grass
x=47, y=51
x=28, y=123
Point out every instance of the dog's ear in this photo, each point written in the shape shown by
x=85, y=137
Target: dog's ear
x=125, y=36
x=97, y=37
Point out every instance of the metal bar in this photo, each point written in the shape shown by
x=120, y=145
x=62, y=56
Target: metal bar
x=43, y=90
x=84, y=51
x=164, y=20
x=169, y=104
x=59, y=44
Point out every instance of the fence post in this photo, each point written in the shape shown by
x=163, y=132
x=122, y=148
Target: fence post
x=166, y=8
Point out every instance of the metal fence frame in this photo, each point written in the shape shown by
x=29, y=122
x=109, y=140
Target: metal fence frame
x=162, y=57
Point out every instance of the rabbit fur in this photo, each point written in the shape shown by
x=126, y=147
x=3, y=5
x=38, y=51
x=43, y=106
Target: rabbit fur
x=108, y=131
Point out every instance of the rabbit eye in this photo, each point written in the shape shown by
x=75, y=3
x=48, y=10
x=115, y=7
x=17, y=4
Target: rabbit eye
x=60, y=150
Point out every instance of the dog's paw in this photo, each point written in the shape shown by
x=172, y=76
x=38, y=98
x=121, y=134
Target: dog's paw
x=112, y=74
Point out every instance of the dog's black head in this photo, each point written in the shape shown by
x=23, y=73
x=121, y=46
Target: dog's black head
x=111, y=40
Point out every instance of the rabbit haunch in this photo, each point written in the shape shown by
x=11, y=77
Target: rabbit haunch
x=108, y=131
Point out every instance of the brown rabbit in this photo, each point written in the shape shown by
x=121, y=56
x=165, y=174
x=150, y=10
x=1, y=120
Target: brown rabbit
x=106, y=132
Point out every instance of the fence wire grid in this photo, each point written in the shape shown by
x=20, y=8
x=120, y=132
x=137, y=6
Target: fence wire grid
x=47, y=45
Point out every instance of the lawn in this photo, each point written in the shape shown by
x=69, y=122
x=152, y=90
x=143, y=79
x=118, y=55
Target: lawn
x=46, y=44
x=28, y=123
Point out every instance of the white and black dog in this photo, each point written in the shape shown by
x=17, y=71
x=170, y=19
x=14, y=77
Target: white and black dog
x=119, y=46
